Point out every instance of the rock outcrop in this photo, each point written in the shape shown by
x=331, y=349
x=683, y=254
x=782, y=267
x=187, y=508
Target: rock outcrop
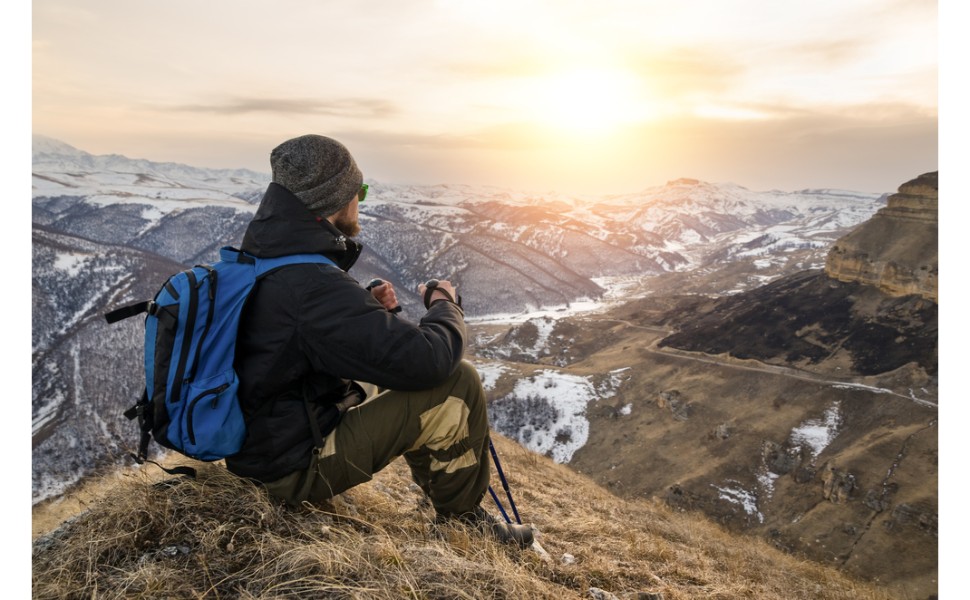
x=897, y=249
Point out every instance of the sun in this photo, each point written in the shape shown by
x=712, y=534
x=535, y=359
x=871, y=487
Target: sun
x=589, y=100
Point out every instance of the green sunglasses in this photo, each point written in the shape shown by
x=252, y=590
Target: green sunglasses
x=363, y=192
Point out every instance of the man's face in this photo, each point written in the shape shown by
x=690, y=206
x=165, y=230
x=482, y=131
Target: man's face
x=346, y=221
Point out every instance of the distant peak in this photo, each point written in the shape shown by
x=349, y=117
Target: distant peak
x=41, y=144
x=683, y=181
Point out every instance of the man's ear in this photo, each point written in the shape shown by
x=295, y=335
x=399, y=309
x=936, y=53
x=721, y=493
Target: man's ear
x=340, y=213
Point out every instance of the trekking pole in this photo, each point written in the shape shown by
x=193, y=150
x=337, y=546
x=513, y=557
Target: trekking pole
x=498, y=503
x=536, y=546
x=505, y=486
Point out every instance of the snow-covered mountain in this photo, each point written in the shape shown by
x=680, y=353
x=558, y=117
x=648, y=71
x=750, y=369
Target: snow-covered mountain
x=508, y=250
x=108, y=230
x=61, y=169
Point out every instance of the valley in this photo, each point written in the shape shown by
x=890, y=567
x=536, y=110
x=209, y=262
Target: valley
x=822, y=462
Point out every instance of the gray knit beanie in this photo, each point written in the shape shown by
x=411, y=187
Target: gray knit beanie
x=319, y=171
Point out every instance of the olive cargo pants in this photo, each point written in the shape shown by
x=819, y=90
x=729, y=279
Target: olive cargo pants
x=442, y=433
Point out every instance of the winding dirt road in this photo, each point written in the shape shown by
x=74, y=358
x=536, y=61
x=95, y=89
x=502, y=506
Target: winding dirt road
x=760, y=367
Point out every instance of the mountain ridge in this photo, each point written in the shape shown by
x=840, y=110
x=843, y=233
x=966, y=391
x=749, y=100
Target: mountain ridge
x=612, y=279
x=50, y=152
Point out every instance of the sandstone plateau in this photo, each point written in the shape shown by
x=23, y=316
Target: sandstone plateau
x=897, y=249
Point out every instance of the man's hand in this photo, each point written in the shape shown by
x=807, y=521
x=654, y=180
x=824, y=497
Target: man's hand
x=385, y=294
x=438, y=292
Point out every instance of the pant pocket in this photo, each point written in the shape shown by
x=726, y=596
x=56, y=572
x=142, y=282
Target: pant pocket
x=339, y=470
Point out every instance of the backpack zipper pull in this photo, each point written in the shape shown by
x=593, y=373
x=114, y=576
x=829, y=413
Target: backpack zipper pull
x=216, y=392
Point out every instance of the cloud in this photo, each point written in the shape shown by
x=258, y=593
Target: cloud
x=359, y=108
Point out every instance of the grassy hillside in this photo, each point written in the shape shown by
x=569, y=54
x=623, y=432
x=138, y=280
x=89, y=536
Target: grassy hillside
x=140, y=533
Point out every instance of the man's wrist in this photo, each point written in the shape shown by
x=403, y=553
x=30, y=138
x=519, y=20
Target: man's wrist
x=439, y=295
x=433, y=293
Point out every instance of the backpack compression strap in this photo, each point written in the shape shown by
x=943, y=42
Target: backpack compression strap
x=129, y=310
x=139, y=411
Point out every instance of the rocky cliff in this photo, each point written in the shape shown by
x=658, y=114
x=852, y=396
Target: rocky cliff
x=896, y=250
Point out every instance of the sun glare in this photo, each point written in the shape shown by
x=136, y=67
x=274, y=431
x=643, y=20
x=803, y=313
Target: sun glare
x=590, y=100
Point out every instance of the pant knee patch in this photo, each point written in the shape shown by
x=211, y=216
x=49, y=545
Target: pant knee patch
x=444, y=431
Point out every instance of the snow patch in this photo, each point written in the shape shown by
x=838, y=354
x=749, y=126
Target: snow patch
x=616, y=291
x=545, y=327
x=559, y=311
x=48, y=486
x=72, y=263
x=817, y=434
x=859, y=386
x=490, y=373
x=607, y=387
x=546, y=413
x=46, y=412
x=740, y=496
x=767, y=480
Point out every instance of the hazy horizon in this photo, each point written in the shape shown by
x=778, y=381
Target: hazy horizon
x=540, y=96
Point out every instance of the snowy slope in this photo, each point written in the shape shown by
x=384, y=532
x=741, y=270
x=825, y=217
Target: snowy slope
x=108, y=229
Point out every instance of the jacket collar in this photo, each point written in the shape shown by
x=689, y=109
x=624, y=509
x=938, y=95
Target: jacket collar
x=282, y=225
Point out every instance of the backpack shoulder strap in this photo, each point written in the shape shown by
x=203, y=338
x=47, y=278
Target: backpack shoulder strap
x=265, y=265
x=227, y=254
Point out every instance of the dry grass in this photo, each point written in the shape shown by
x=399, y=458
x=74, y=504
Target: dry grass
x=221, y=537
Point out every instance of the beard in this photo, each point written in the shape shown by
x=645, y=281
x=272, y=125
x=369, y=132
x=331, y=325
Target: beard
x=348, y=226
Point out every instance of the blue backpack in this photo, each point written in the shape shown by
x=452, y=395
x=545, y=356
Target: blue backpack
x=189, y=403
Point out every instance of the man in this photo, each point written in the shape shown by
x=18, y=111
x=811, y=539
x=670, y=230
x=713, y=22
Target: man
x=310, y=333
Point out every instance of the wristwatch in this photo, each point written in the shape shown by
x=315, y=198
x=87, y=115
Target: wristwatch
x=430, y=286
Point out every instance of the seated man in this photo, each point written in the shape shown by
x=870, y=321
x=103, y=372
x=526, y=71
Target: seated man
x=309, y=332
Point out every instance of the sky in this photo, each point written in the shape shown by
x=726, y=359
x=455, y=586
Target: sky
x=602, y=97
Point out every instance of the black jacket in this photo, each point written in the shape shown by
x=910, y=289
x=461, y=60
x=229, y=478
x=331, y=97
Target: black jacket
x=310, y=330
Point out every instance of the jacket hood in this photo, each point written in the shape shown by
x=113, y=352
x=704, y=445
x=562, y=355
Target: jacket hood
x=282, y=225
